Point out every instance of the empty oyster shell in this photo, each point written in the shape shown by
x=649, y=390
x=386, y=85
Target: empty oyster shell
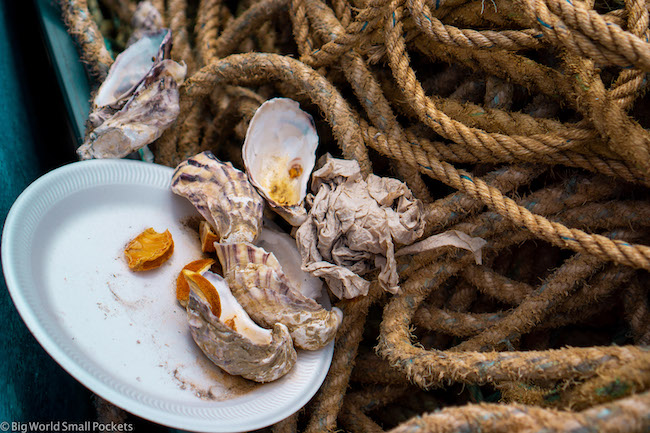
x=138, y=100
x=130, y=68
x=228, y=336
x=151, y=109
x=284, y=248
x=279, y=153
x=257, y=281
x=222, y=194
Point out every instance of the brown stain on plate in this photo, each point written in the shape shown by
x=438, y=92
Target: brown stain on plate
x=222, y=386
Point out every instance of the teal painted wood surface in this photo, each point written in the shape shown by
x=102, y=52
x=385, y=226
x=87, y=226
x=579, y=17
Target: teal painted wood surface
x=67, y=67
x=33, y=386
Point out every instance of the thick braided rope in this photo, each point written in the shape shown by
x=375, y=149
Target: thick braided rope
x=594, y=216
x=287, y=425
x=628, y=84
x=367, y=90
x=428, y=368
x=618, y=251
x=353, y=415
x=242, y=26
x=609, y=385
x=453, y=152
x=208, y=20
x=370, y=368
x=83, y=28
x=623, y=135
x=364, y=22
x=551, y=200
x=328, y=401
x=497, y=286
x=561, y=35
x=500, y=145
x=637, y=312
x=624, y=416
x=177, y=18
x=463, y=325
x=537, y=306
x=469, y=38
x=301, y=27
x=594, y=26
x=505, y=65
x=454, y=207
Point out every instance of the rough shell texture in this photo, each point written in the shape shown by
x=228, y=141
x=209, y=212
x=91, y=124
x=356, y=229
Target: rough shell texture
x=151, y=109
x=131, y=66
x=257, y=281
x=284, y=248
x=279, y=153
x=235, y=353
x=222, y=194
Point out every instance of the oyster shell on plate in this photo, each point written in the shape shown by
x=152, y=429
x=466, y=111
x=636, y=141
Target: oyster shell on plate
x=261, y=287
x=284, y=248
x=279, y=153
x=228, y=336
x=138, y=100
x=222, y=195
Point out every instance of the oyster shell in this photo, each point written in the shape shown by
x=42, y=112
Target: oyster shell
x=229, y=338
x=259, y=284
x=279, y=153
x=222, y=194
x=151, y=109
x=138, y=100
x=284, y=248
x=130, y=68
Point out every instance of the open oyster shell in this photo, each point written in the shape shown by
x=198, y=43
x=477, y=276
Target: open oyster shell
x=231, y=339
x=131, y=66
x=152, y=108
x=284, y=248
x=138, y=100
x=279, y=153
x=222, y=194
x=257, y=281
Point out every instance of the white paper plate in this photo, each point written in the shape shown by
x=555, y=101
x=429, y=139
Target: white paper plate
x=122, y=334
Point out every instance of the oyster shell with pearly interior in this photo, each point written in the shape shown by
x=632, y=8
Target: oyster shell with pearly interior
x=279, y=153
x=229, y=338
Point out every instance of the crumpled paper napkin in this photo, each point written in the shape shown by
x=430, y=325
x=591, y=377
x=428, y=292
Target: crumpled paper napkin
x=355, y=224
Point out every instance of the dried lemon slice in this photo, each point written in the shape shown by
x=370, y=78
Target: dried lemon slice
x=149, y=250
x=208, y=237
x=182, y=287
